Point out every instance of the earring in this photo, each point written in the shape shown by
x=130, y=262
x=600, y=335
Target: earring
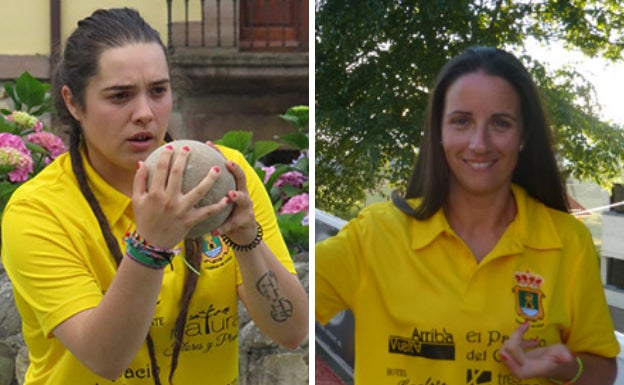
x=521, y=146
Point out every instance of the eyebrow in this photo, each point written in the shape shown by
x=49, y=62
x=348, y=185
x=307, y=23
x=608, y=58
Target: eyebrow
x=130, y=86
x=495, y=115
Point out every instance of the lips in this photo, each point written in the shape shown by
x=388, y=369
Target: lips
x=480, y=165
x=141, y=137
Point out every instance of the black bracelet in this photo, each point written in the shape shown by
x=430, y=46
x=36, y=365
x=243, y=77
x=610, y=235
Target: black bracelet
x=256, y=241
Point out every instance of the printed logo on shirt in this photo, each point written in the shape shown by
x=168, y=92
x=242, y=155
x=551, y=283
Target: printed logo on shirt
x=429, y=381
x=215, y=253
x=478, y=376
x=208, y=329
x=213, y=250
x=434, y=344
x=529, y=296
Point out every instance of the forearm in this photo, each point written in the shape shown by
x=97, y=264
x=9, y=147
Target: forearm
x=597, y=370
x=107, y=338
x=275, y=299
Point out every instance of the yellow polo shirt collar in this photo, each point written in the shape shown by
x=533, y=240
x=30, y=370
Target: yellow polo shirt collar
x=520, y=233
x=114, y=203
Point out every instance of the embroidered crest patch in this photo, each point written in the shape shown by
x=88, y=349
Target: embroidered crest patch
x=528, y=295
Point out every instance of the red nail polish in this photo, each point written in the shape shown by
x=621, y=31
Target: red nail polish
x=216, y=169
x=186, y=148
x=504, y=357
x=228, y=200
x=214, y=232
x=233, y=195
x=139, y=164
x=169, y=147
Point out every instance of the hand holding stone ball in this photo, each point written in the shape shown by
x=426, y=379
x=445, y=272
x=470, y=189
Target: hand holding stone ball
x=201, y=159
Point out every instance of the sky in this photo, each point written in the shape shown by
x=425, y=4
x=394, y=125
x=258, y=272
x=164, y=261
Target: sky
x=608, y=78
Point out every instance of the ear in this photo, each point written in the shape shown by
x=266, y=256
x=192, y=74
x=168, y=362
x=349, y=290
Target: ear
x=70, y=103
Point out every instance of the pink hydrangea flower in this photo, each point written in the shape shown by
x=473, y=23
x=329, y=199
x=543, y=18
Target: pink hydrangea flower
x=49, y=141
x=291, y=178
x=295, y=204
x=13, y=152
x=25, y=121
x=268, y=171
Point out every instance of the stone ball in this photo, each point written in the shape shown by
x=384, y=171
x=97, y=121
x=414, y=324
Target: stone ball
x=201, y=159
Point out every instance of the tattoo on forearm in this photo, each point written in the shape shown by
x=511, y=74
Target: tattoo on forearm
x=281, y=308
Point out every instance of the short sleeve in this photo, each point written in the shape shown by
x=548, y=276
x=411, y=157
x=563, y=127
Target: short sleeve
x=591, y=328
x=338, y=271
x=48, y=270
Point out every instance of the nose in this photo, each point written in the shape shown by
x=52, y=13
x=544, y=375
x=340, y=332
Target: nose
x=480, y=138
x=143, y=112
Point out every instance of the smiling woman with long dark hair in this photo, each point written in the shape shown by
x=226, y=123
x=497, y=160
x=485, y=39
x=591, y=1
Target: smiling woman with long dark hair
x=477, y=274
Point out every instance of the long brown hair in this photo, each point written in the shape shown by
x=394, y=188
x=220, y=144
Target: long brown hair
x=537, y=170
x=106, y=29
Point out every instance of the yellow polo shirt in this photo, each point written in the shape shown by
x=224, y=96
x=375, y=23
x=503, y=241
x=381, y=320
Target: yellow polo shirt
x=58, y=262
x=426, y=313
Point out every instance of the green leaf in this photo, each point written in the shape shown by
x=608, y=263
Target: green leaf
x=6, y=168
x=238, y=140
x=291, y=191
x=6, y=190
x=35, y=148
x=263, y=148
x=302, y=165
x=29, y=90
x=6, y=126
x=297, y=115
x=10, y=90
x=296, y=140
x=294, y=232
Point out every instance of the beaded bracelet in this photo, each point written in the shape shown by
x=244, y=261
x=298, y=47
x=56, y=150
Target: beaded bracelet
x=139, y=250
x=252, y=245
x=578, y=374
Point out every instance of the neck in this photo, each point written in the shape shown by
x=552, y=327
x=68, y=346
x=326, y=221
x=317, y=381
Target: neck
x=121, y=182
x=120, y=179
x=480, y=211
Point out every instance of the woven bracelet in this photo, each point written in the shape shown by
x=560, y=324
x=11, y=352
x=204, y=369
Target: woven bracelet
x=145, y=260
x=146, y=254
x=250, y=246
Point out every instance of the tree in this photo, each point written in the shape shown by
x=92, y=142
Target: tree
x=376, y=61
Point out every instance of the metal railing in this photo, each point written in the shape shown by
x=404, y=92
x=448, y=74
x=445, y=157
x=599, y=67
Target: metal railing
x=266, y=25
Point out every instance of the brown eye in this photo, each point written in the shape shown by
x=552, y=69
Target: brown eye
x=119, y=96
x=502, y=124
x=159, y=91
x=459, y=122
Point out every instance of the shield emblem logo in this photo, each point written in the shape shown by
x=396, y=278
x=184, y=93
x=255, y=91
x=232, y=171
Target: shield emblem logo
x=529, y=296
x=213, y=249
x=529, y=303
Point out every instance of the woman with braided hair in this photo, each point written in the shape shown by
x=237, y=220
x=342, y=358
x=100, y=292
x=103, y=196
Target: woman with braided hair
x=97, y=259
